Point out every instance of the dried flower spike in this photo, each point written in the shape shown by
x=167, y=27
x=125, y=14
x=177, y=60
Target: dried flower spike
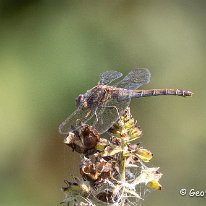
x=113, y=170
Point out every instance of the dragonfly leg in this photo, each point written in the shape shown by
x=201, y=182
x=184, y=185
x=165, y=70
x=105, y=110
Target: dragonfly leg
x=95, y=113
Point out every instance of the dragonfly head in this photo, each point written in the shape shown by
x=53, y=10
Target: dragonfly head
x=80, y=100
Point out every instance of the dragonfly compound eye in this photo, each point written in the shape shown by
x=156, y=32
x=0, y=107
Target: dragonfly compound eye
x=80, y=100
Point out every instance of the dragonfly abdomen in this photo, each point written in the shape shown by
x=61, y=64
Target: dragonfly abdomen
x=157, y=92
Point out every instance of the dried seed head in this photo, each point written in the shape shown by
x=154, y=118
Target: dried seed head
x=107, y=196
x=83, y=140
x=135, y=133
x=144, y=154
x=95, y=171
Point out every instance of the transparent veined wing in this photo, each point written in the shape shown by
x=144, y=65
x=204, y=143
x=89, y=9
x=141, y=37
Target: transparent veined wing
x=109, y=76
x=109, y=114
x=113, y=109
x=135, y=79
x=75, y=120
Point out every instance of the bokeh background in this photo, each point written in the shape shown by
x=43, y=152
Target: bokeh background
x=51, y=51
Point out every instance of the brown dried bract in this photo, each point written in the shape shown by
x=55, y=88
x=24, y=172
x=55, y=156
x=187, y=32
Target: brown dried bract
x=84, y=140
x=95, y=171
x=107, y=196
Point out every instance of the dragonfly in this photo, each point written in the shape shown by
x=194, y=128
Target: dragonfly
x=108, y=102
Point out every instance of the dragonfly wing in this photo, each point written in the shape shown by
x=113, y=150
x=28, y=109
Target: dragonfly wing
x=109, y=114
x=109, y=76
x=135, y=79
x=75, y=120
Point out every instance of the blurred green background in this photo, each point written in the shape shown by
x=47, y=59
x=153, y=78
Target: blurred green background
x=51, y=51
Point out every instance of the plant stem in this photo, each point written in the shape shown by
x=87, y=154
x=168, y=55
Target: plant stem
x=122, y=162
